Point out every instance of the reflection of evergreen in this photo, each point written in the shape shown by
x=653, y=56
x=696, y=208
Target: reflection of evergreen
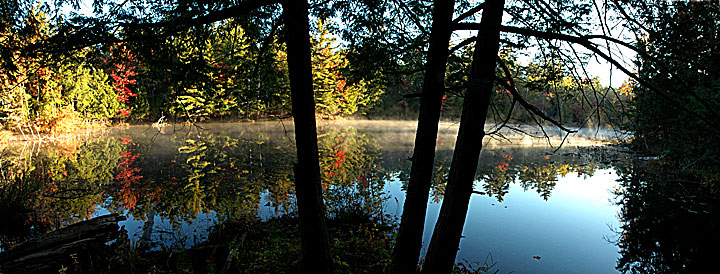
x=669, y=225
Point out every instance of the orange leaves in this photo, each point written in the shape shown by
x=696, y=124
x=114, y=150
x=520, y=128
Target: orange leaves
x=507, y=157
x=442, y=103
x=550, y=95
x=505, y=163
x=339, y=157
x=626, y=90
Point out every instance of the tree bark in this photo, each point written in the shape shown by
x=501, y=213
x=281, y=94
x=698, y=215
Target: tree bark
x=313, y=231
x=448, y=229
x=407, y=247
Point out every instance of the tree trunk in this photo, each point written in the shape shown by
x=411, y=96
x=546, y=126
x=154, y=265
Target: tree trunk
x=407, y=247
x=448, y=230
x=48, y=252
x=313, y=231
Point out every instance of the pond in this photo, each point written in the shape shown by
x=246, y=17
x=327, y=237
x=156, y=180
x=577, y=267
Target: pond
x=535, y=210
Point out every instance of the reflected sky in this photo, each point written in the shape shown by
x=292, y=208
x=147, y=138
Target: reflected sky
x=569, y=231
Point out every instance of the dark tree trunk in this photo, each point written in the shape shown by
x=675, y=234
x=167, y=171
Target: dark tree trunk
x=407, y=248
x=313, y=231
x=446, y=236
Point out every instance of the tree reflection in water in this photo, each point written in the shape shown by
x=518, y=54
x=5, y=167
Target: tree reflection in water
x=669, y=224
x=48, y=187
x=246, y=174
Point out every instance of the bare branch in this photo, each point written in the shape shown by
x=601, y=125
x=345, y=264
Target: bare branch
x=507, y=118
x=590, y=46
x=469, y=13
x=533, y=109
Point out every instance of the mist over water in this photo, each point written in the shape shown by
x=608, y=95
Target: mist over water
x=176, y=182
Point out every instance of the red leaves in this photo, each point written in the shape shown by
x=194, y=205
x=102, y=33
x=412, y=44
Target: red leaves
x=127, y=179
x=124, y=112
x=340, y=157
x=121, y=72
x=121, y=79
x=442, y=104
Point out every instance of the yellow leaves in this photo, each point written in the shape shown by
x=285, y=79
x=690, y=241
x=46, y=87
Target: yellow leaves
x=626, y=90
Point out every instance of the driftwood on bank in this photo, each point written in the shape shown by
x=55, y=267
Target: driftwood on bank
x=50, y=251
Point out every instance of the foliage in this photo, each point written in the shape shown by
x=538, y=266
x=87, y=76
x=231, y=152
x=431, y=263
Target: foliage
x=334, y=95
x=352, y=177
x=55, y=92
x=680, y=62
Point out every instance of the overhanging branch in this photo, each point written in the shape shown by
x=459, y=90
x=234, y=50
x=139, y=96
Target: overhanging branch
x=97, y=32
x=513, y=90
x=468, y=13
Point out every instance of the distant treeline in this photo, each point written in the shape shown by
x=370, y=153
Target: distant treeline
x=237, y=68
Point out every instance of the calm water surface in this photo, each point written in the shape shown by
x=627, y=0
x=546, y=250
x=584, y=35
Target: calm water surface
x=535, y=211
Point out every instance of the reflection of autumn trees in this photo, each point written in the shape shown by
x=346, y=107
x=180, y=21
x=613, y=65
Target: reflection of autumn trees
x=229, y=176
x=352, y=174
x=53, y=186
x=47, y=188
x=233, y=177
x=127, y=180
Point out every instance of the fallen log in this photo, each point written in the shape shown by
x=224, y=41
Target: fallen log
x=61, y=247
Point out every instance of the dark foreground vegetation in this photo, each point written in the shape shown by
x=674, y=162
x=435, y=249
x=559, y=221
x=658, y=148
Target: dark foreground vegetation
x=193, y=60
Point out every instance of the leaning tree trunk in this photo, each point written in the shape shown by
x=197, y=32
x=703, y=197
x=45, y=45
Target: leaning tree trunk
x=409, y=241
x=47, y=253
x=313, y=231
x=448, y=229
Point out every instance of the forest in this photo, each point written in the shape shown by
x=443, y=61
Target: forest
x=492, y=70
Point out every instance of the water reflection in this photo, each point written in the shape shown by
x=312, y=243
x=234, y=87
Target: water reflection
x=669, y=224
x=174, y=185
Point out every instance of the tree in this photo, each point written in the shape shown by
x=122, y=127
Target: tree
x=315, y=239
x=137, y=26
x=448, y=229
x=679, y=55
x=334, y=94
x=407, y=246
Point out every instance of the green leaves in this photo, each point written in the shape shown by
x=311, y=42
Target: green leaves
x=334, y=94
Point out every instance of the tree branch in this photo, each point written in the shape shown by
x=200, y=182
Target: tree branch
x=468, y=13
x=584, y=41
x=513, y=90
x=463, y=43
x=97, y=31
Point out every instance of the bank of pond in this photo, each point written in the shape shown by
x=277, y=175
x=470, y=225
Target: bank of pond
x=219, y=198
